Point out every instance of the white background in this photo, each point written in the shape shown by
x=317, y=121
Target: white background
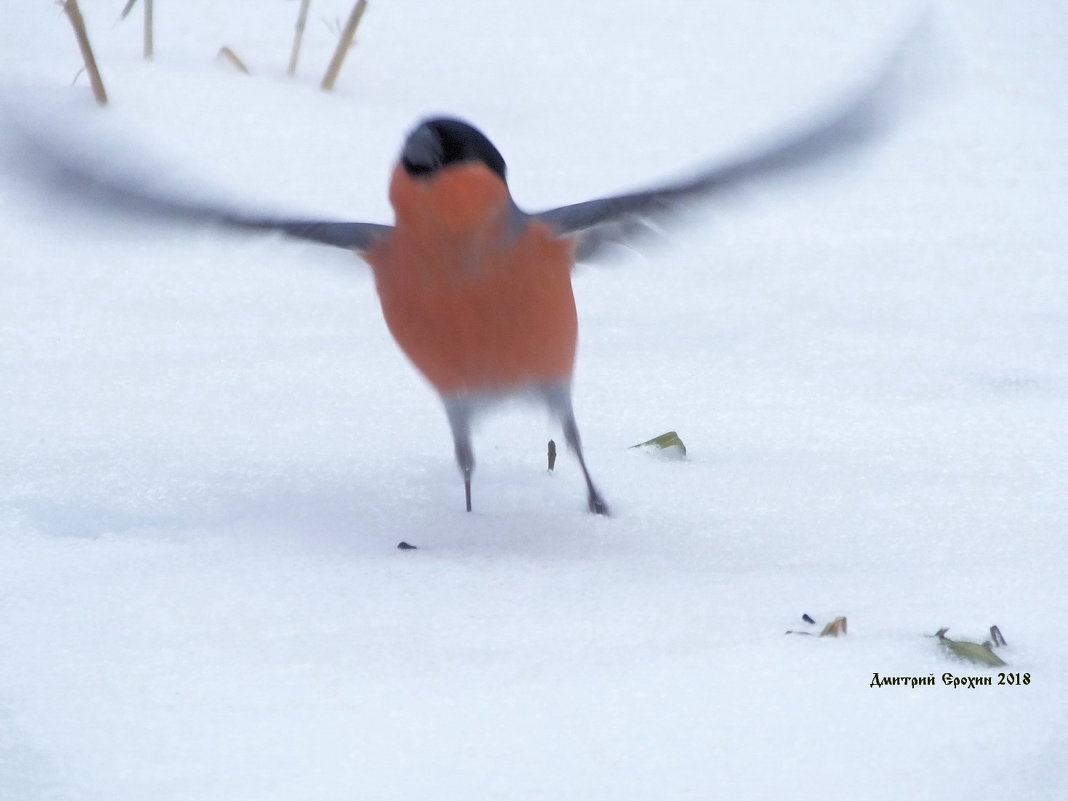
x=210, y=447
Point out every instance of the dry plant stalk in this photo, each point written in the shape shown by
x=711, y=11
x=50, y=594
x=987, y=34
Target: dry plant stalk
x=148, y=29
x=78, y=23
x=997, y=637
x=231, y=56
x=343, y=45
x=835, y=628
x=302, y=18
x=148, y=23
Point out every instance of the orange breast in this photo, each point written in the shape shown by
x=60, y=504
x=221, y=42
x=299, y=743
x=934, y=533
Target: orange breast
x=476, y=306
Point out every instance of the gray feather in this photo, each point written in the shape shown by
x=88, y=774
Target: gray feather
x=624, y=219
x=110, y=180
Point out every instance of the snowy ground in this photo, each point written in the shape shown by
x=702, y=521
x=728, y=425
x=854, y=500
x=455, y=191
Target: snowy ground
x=209, y=446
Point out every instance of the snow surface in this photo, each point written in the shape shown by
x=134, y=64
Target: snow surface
x=209, y=446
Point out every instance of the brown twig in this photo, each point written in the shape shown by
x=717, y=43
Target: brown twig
x=997, y=637
x=148, y=30
x=302, y=18
x=126, y=9
x=78, y=23
x=231, y=56
x=343, y=45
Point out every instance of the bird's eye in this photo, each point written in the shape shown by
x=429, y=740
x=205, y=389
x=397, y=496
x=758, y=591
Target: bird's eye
x=415, y=168
x=423, y=152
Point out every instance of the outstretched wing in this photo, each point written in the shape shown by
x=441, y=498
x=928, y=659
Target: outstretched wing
x=114, y=181
x=622, y=219
x=350, y=235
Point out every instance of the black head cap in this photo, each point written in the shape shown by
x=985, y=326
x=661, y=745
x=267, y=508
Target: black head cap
x=436, y=143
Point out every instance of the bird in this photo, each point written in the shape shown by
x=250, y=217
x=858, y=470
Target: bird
x=476, y=291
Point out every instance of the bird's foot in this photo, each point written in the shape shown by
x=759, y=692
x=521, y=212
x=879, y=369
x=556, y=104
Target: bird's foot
x=597, y=504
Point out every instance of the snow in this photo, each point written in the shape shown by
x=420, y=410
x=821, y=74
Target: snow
x=211, y=446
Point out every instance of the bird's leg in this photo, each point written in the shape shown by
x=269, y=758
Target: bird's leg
x=459, y=414
x=571, y=434
x=559, y=399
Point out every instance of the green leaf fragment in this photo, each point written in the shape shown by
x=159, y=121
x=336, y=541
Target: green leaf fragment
x=979, y=653
x=668, y=444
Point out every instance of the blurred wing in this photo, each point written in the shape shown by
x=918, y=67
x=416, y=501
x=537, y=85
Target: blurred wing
x=350, y=235
x=622, y=219
x=112, y=181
